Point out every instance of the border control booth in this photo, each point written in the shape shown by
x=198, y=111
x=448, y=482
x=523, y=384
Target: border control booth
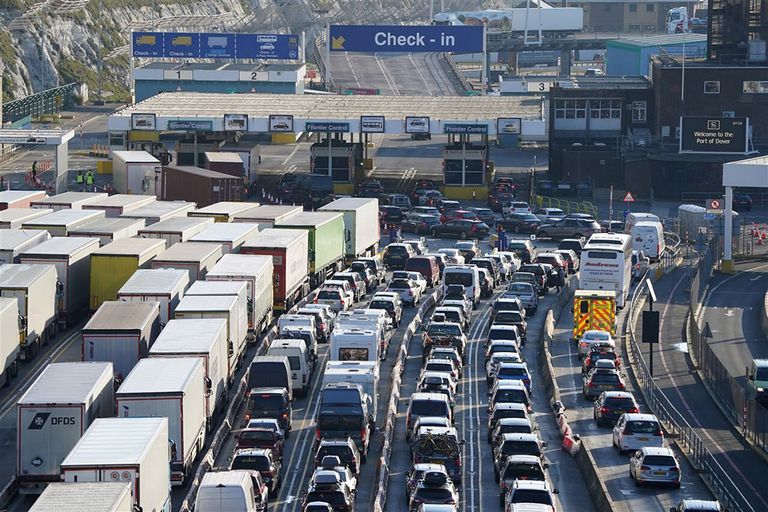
x=466, y=164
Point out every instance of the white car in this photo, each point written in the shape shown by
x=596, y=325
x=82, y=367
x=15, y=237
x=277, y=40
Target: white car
x=548, y=215
x=409, y=291
x=516, y=207
x=501, y=260
x=654, y=465
x=635, y=430
x=513, y=259
x=345, y=288
x=416, y=277
x=334, y=297
x=492, y=366
x=593, y=338
x=453, y=255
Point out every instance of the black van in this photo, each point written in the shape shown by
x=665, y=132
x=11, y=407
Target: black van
x=270, y=372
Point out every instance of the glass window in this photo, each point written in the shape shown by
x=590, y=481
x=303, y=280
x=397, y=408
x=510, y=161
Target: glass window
x=605, y=109
x=632, y=7
x=570, y=109
x=754, y=87
x=639, y=111
x=712, y=87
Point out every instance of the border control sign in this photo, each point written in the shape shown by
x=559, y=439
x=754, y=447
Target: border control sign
x=714, y=135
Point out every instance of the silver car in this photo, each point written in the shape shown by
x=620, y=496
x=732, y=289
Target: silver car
x=527, y=295
x=569, y=228
x=654, y=465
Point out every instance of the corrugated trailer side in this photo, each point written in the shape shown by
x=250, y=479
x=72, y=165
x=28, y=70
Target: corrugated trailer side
x=10, y=353
x=326, y=241
x=361, y=224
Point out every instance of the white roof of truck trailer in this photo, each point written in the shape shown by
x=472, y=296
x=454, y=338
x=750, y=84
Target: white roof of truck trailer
x=66, y=217
x=83, y=497
x=109, y=225
x=137, y=157
x=227, y=232
x=161, y=209
x=268, y=212
x=73, y=199
x=12, y=238
x=225, y=208
x=277, y=238
x=178, y=225
x=19, y=275
x=143, y=248
x=206, y=303
x=22, y=215
x=189, y=251
x=121, y=316
x=67, y=383
x=189, y=335
x=160, y=376
x=240, y=264
x=59, y=245
x=216, y=288
x=112, y=441
x=156, y=281
x=347, y=204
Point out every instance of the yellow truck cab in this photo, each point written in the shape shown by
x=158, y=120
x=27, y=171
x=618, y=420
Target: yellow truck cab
x=593, y=310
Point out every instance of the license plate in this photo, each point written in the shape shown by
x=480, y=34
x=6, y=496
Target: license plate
x=617, y=411
x=642, y=439
x=660, y=473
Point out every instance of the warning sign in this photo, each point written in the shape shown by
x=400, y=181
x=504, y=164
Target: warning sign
x=714, y=206
x=628, y=198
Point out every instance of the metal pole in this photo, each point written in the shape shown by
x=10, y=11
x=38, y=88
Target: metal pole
x=484, y=75
x=101, y=56
x=650, y=345
x=610, y=208
x=682, y=82
x=131, y=84
x=431, y=10
x=330, y=155
x=727, y=265
x=303, y=47
x=328, y=57
x=195, y=148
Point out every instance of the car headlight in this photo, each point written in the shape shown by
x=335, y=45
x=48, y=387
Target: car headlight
x=760, y=390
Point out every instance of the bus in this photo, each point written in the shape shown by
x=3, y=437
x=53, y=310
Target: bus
x=606, y=264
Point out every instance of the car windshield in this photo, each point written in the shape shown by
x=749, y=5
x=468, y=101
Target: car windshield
x=512, y=371
x=397, y=249
x=520, y=448
x=620, y=402
x=515, y=429
x=597, y=336
x=516, y=396
x=339, y=421
x=605, y=378
x=658, y=460
x=341, y=451
x=519, y=288
x=508, y=317
x=254, y=462
x=508, y=413
x=257, y=435
x=400, y=284
x=761, y=374
x=444, y=329
x=328, y=295
x=262, y=402
x=435, y=366
x=428, y=408
x=333, y=498
x=523, y=471
x=531, y=496
x=428, y=494
x=381, y=304
x=643, y=427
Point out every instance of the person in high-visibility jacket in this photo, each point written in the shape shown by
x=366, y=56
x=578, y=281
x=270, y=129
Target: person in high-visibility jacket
x=79, y=180
x=89, y=181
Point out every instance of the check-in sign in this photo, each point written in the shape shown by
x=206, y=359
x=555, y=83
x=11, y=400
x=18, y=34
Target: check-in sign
x=406, y=38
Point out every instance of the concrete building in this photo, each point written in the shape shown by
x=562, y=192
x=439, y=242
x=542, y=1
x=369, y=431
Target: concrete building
x=632, y=56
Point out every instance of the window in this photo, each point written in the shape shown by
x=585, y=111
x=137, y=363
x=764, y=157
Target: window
x=632, y=7
x=754, y=87
x=571, y=109
x=605, y=109
x=649, y=7
x=639, y=111
x=712, y=87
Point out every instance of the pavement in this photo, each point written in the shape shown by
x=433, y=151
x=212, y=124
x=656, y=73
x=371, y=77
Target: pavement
x=676, y=376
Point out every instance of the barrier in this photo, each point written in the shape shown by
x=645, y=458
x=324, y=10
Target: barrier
x=596, y=487
x=566, y=205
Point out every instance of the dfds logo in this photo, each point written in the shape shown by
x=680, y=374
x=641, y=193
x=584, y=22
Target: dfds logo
x=38, y=422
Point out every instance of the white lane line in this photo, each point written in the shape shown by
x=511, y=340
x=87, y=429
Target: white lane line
x=714, y=289
x=352, y=69
x=395, y=90
x=421, y=75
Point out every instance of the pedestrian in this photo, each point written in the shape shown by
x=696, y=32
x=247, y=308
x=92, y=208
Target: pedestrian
x=34, y=171
x=79, y=180
x=560, y=278
x=502, y=239
x=89, y=181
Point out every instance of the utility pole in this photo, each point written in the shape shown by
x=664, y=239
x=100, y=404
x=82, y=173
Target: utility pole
x=100, y=101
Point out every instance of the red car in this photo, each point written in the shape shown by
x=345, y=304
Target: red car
x=458, y=214
x=260, y=438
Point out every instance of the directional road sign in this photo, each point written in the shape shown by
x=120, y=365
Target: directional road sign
x=411, y=38
x=215, y=45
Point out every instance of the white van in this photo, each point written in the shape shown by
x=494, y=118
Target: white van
x=354, y=345
x=298, y=359
x=373, y=322
x=466, y=275
x=291, y=320
x=635, y=217
x=229, y=491
x=648, y=237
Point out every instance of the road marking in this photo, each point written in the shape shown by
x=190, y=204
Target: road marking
x=729, y=313
x=757, y=277
x=421, y=75
x=352, y=69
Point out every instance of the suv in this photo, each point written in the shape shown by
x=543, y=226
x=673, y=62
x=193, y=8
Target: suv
x=344, y=449
x=376, y=266
x=570, y=228
x=574, y=244
x=419, y=223
x=523, y=248
x=323, y=321
x=270, y=403
x=434, y=487
x=504, y=391
x=256, y=437
x=438, y=445
x=396, y=256
x=427, y=266
x=540, y=272
x=336, y=494
x=515, y=444
x=520, y=467
x=416, y=474
x=527, y=492
x=392, y=305
x=263, y=461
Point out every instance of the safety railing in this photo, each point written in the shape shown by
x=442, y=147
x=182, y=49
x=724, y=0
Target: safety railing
x=674, y=421
x=566, y=205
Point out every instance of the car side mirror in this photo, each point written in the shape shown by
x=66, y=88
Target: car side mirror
x=751, y=377
x=555, y=491
x=544, y=444
x=545, y=465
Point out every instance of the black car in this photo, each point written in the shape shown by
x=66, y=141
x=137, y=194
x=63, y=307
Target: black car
x=391, y=214
x=460, y=228
x=419, y=223
x=371, y=188
x=499, y=197
x=396, y=256
x=515, y=318
x=490, y=266
x=610, y=405
x=520, y=223
x=524, y=249
x=742, y=202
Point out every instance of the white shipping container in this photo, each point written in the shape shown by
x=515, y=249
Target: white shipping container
x=230, y=235
x=13, y=218
x=9, y=339
x=19, y=198
x=173, y=389
x=118, y=204
x=194, y=257
x=163, y=285
x=267, y=214
x=35, y=288
x=85, y=497
x=133, y=450
x=54, y=413
x=361, y=224
x=121, y=333
x=68, y=200
x=72, y=259
x=176, y=229
x=161, y=210
x=15, y=241
x=206, y=306
x=206, y=339
x=135, y=172
x=224, y=211
x=59, y=223
x=109, y=229
x=237, y=289
x=256, y=271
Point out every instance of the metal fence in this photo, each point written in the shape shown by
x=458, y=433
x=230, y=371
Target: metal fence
x=674, y=421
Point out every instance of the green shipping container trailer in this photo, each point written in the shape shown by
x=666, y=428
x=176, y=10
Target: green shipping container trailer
x=326, y=241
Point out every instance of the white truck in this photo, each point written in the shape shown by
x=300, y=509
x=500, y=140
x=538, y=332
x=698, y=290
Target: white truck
x=176, y=229
x=121, y=333
x=354, y=344
x=109, y=229
x=118, y=204
x=72, y=259
x=224, y=211
x=10, y=199
x=677, y=20
x=229, y=234
x=58, y=223
x=174, y=389
x=9, y=339
x=163, y=285
x=35, y=288
x=194, y=257
x=257, y=272
x=221, y=306
x=206, y=339
x=161, y=210
x=13, y=218
x=364, y=373
x=15, y=241
x=266, y=215
x=90, y=496
x=133, y=450
x=68, y=200
x=237, y=289
x=54, y=413
x=135, y=172
x=299, y=360
x=361, y=225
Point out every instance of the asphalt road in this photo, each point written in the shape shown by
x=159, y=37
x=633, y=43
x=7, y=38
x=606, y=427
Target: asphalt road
x=612, y=467
x=394, y=74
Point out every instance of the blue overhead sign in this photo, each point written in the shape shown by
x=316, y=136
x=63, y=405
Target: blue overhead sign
x=215, y=45
x=398, y=38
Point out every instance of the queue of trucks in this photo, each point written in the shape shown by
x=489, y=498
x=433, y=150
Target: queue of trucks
x=170, y=321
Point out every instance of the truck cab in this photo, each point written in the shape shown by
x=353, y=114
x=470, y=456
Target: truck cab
x=758, y=378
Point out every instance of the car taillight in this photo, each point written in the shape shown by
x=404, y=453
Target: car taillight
x=621, y=385
x=645, y=468
x=285, y=415
x=634, y=410
x=322, y=326
x=315, y=301
x=591, y=385
x=408, y=422
x=362, y=434
x=659, y=434
x=604, y=410
x=658, y=249
x=457, y=461
x=317, y=434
